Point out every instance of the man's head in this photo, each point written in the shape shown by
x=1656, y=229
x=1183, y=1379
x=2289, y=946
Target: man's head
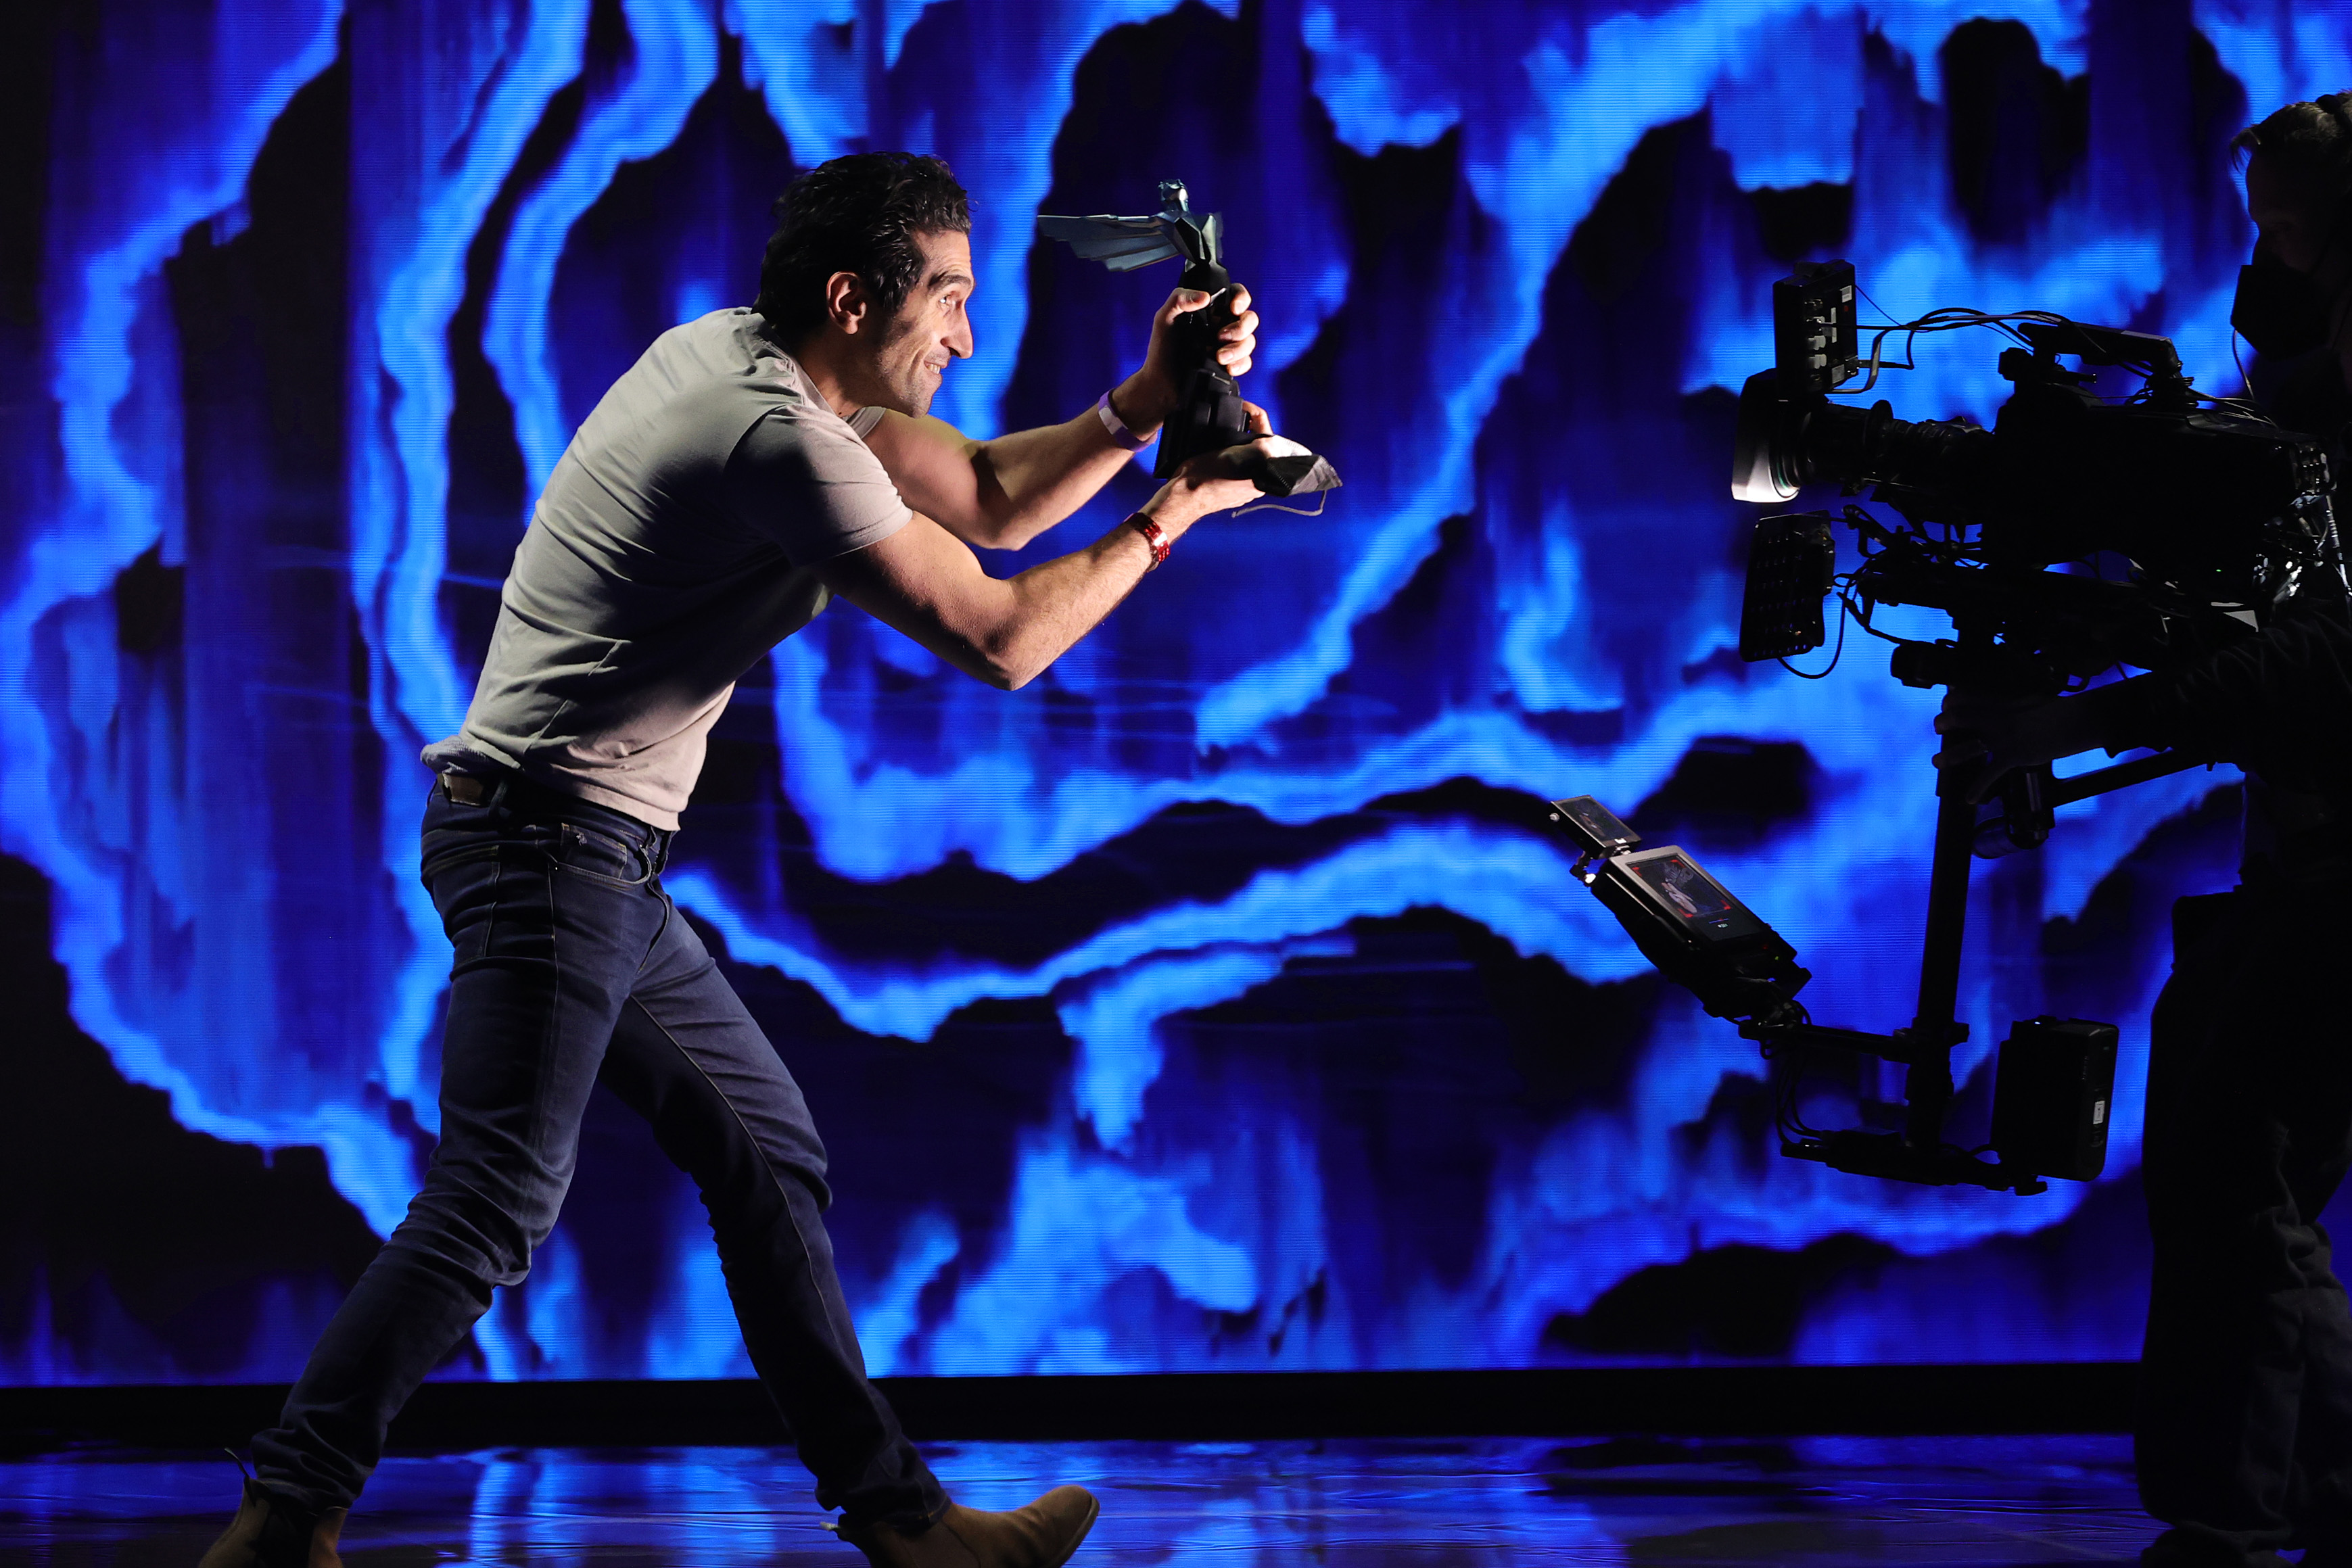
x=2292, y=298
x=869, y=270
x=2298, y=174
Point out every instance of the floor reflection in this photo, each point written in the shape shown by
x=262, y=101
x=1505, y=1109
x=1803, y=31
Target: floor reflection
x=1812, y=1502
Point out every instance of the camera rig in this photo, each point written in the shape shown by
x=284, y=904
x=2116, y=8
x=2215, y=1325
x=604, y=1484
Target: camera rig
x=2218, y=519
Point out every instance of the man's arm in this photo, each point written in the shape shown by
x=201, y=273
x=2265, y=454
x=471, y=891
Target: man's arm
x=2279, y=703
x=925, y=582
x=1001, y=493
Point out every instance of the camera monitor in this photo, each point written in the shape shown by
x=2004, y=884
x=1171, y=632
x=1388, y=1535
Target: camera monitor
x=1593, y=827
x=1675, y=884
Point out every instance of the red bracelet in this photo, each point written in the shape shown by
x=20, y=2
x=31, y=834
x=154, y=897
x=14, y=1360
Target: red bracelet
x=1152, y=536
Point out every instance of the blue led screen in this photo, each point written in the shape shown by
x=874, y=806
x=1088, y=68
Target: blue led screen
x=1221, y=1001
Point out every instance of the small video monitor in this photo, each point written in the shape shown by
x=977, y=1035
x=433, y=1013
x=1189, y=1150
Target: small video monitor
x=1593, y=827
x=1672, y=882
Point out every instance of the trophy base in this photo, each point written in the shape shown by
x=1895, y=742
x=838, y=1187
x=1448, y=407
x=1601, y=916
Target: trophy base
x=1296, y=474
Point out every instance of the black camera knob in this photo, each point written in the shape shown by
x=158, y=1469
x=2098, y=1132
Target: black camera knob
x=1923, y=666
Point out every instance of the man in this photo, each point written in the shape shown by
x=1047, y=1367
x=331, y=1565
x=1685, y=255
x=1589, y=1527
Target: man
x=2244, y=1437
x=752, y=464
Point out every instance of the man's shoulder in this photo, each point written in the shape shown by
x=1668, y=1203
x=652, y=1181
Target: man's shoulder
x=712, y=378
x=722, y=354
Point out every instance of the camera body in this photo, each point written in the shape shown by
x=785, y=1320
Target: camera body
x=2215, y=510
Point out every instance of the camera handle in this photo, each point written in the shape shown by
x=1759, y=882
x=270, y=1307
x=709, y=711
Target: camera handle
x=1210, y=413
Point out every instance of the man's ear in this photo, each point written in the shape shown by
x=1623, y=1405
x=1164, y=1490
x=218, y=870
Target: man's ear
x=847, y=302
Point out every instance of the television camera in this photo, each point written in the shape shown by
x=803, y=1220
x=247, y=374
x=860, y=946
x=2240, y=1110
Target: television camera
x=2212, y=520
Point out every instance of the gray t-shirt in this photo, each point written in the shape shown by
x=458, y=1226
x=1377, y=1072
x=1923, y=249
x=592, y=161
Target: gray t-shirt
x=670, y=551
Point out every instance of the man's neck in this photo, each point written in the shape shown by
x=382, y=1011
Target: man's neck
x=826, y=371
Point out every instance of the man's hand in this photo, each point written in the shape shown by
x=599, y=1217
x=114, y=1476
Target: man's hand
x=1146, y=398
x=1215, y=481
x=1003, y=493
x=1985, y=737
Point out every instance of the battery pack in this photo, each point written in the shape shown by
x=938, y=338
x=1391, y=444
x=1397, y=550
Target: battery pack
x=2052, y=1095
x=1792, y=566
x=1816, y=340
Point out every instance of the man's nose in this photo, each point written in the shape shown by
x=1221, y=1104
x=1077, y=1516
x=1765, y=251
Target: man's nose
x=959, y=338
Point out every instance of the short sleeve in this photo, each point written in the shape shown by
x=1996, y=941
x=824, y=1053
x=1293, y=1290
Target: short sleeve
x=813, y=487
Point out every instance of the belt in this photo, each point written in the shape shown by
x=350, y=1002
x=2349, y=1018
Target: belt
x=517, y=789
x=489, y=789
x=469, y=788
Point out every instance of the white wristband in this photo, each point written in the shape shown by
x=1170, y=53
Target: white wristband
x=1118, y=426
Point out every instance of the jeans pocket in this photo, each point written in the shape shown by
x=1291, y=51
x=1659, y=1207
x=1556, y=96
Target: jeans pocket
x=465, y=886
x=606, y=857
x=437, y=862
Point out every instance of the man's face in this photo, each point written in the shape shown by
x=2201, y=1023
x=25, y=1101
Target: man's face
x=2293, y=218
x=912, y=350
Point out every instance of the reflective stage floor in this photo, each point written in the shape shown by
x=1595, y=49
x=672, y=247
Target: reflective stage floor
x=1800, y=1502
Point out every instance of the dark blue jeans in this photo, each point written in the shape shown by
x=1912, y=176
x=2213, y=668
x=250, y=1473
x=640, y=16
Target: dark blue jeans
x=572, y=966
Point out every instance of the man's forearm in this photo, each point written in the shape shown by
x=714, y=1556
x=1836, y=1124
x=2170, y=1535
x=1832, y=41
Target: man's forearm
x=1031, y=479
x=1055, y=603
x=923, y=582
x=1001, y=493
x=2282, y=698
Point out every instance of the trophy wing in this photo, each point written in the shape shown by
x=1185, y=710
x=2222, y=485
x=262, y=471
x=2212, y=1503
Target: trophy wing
x=1120, y=243
x=1213, y=238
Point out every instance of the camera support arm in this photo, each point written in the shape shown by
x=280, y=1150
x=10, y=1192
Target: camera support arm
x=1919, y=1152
x=2124, y=775
x=1936, y=1028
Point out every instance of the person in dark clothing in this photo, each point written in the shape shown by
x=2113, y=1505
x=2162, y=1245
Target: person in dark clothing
x=2244, y=1435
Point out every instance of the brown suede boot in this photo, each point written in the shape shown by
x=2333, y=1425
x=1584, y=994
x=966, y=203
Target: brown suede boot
x=274, y=1532
x=1042, y=1535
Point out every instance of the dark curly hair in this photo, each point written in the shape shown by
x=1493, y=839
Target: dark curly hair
x=856, y=213
x=2305, y=141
